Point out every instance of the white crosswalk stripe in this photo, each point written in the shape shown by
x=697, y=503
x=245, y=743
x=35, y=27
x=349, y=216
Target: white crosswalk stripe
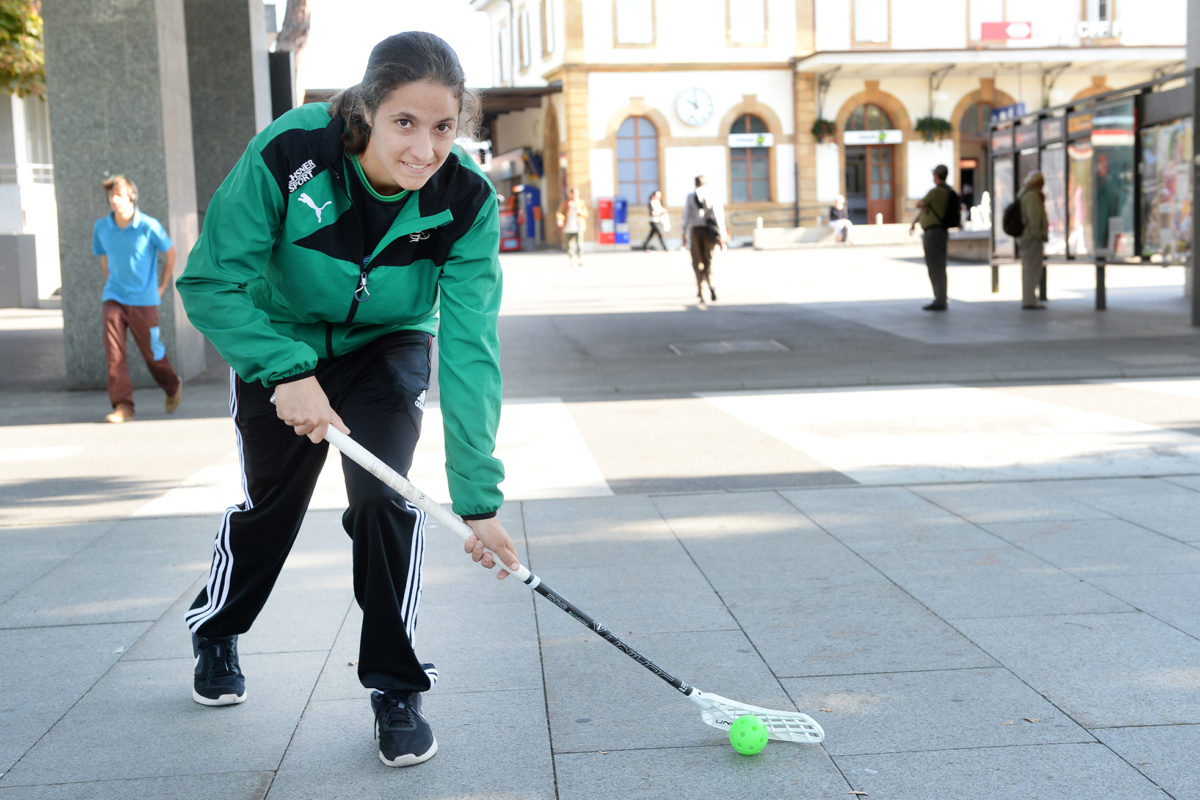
x=873, y=436
x=544, y=454
x=934, y=434
x=13, y=454
x=543, y=450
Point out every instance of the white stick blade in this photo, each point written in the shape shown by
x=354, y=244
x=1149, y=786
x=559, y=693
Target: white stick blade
x=782, y=726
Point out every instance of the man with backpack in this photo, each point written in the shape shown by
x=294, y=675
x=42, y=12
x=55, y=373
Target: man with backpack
x=703, y=231
x=940, y=210
x=1034, y=231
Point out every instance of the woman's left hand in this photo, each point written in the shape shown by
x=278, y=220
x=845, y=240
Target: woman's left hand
x=488, y=537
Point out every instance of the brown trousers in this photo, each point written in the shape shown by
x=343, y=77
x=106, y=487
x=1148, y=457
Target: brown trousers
x=142, y=322
x=703, y=244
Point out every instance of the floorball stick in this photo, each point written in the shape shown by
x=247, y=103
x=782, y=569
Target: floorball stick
x=715, y=710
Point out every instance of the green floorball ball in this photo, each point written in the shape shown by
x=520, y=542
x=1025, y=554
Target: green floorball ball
x=748, y=735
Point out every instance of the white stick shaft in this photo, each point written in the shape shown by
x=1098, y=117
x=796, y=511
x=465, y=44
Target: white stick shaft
x=371, y=463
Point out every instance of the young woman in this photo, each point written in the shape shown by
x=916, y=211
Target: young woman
x=839, y=219
x=343, y=239
x=658, y=219
x=572, y=221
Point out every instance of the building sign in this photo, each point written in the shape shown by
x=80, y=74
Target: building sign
x=1052, y=129
x=1027, y=137
x=891, y=136
x=1005, y=113
x=1000, y=31
x=1002, y=141
x=1101, y=29
x=1079, y=122
x=751, y=140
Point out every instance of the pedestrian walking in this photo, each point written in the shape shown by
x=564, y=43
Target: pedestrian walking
x=659, y=220
x=348, y=235
x=572, y=221
x=703, y=231
x=129, y=243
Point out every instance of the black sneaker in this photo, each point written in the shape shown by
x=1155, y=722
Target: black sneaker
x=219, y=680
x=405, y=737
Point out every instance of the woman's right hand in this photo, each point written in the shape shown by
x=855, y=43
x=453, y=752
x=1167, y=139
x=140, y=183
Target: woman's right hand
x=304, y=406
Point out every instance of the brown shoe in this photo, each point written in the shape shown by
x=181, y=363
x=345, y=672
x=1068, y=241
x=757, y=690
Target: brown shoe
x=173, y=399
x=122, y=413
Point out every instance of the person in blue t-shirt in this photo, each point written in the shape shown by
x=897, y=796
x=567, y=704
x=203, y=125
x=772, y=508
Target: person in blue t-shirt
x=128, y=243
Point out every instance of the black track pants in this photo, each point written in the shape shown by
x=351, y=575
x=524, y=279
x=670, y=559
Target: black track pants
x=379, y=392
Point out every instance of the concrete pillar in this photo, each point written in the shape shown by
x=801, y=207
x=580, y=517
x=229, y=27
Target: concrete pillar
x=576, y=104
x=117, y=80
x=1193, y=63
x=579, y=137
x=230, y=86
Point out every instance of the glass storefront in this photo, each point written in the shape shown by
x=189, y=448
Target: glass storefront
x=1079, y=193
x=1113, y=156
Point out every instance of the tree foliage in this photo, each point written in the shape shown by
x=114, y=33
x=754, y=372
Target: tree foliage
x=22, y=55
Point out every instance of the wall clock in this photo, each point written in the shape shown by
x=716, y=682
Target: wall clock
x=694, y=106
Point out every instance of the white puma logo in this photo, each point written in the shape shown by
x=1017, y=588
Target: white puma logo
x=308, y=201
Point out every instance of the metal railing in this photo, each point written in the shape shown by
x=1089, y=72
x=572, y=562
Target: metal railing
x=27, y=173
x=779, y=217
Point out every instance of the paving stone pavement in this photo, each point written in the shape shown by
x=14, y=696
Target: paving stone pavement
x=983, y=584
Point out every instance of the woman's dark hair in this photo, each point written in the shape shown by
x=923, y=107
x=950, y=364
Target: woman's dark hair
x=403, y=58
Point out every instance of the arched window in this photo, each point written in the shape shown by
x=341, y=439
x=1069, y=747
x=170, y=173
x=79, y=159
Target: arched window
x=975, y=122
x=637, y=159
x=868, y=117
x=749, y=167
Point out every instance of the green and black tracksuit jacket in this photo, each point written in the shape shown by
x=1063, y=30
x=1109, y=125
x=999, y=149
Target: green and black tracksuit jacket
x=280, y=279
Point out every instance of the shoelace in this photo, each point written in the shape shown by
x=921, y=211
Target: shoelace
x=395, y=713
x=219, y=658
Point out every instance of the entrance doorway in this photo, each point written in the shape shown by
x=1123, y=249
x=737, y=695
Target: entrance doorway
x=973, y=169
x=970, y=175
x=870, y=183
x=880, y=179
x=856, y=184
x=870, y=168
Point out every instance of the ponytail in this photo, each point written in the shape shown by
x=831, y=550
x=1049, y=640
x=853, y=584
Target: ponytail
x=348, y=105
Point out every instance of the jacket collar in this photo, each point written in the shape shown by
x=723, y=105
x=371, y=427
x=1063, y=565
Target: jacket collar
x=331, y=149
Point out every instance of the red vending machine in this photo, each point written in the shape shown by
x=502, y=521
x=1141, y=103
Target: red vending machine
x=606, y=232
x=510, y=228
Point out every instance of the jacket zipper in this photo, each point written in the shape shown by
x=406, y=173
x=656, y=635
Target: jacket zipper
x=361, y=293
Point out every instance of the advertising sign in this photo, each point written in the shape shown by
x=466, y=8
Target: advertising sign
x=1005, y=113
x=1001, y=31
x=1167, y=191
x=1003, y=180
x=1079, y=198
x=751, y=139
x=872, y=137
x=1054, y=170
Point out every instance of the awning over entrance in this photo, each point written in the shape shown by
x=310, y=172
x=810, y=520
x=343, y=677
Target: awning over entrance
x=496, y=100
x=499, y=100
x=989, y=62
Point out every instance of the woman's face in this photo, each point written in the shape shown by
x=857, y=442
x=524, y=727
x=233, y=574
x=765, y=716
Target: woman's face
x=412, y=132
